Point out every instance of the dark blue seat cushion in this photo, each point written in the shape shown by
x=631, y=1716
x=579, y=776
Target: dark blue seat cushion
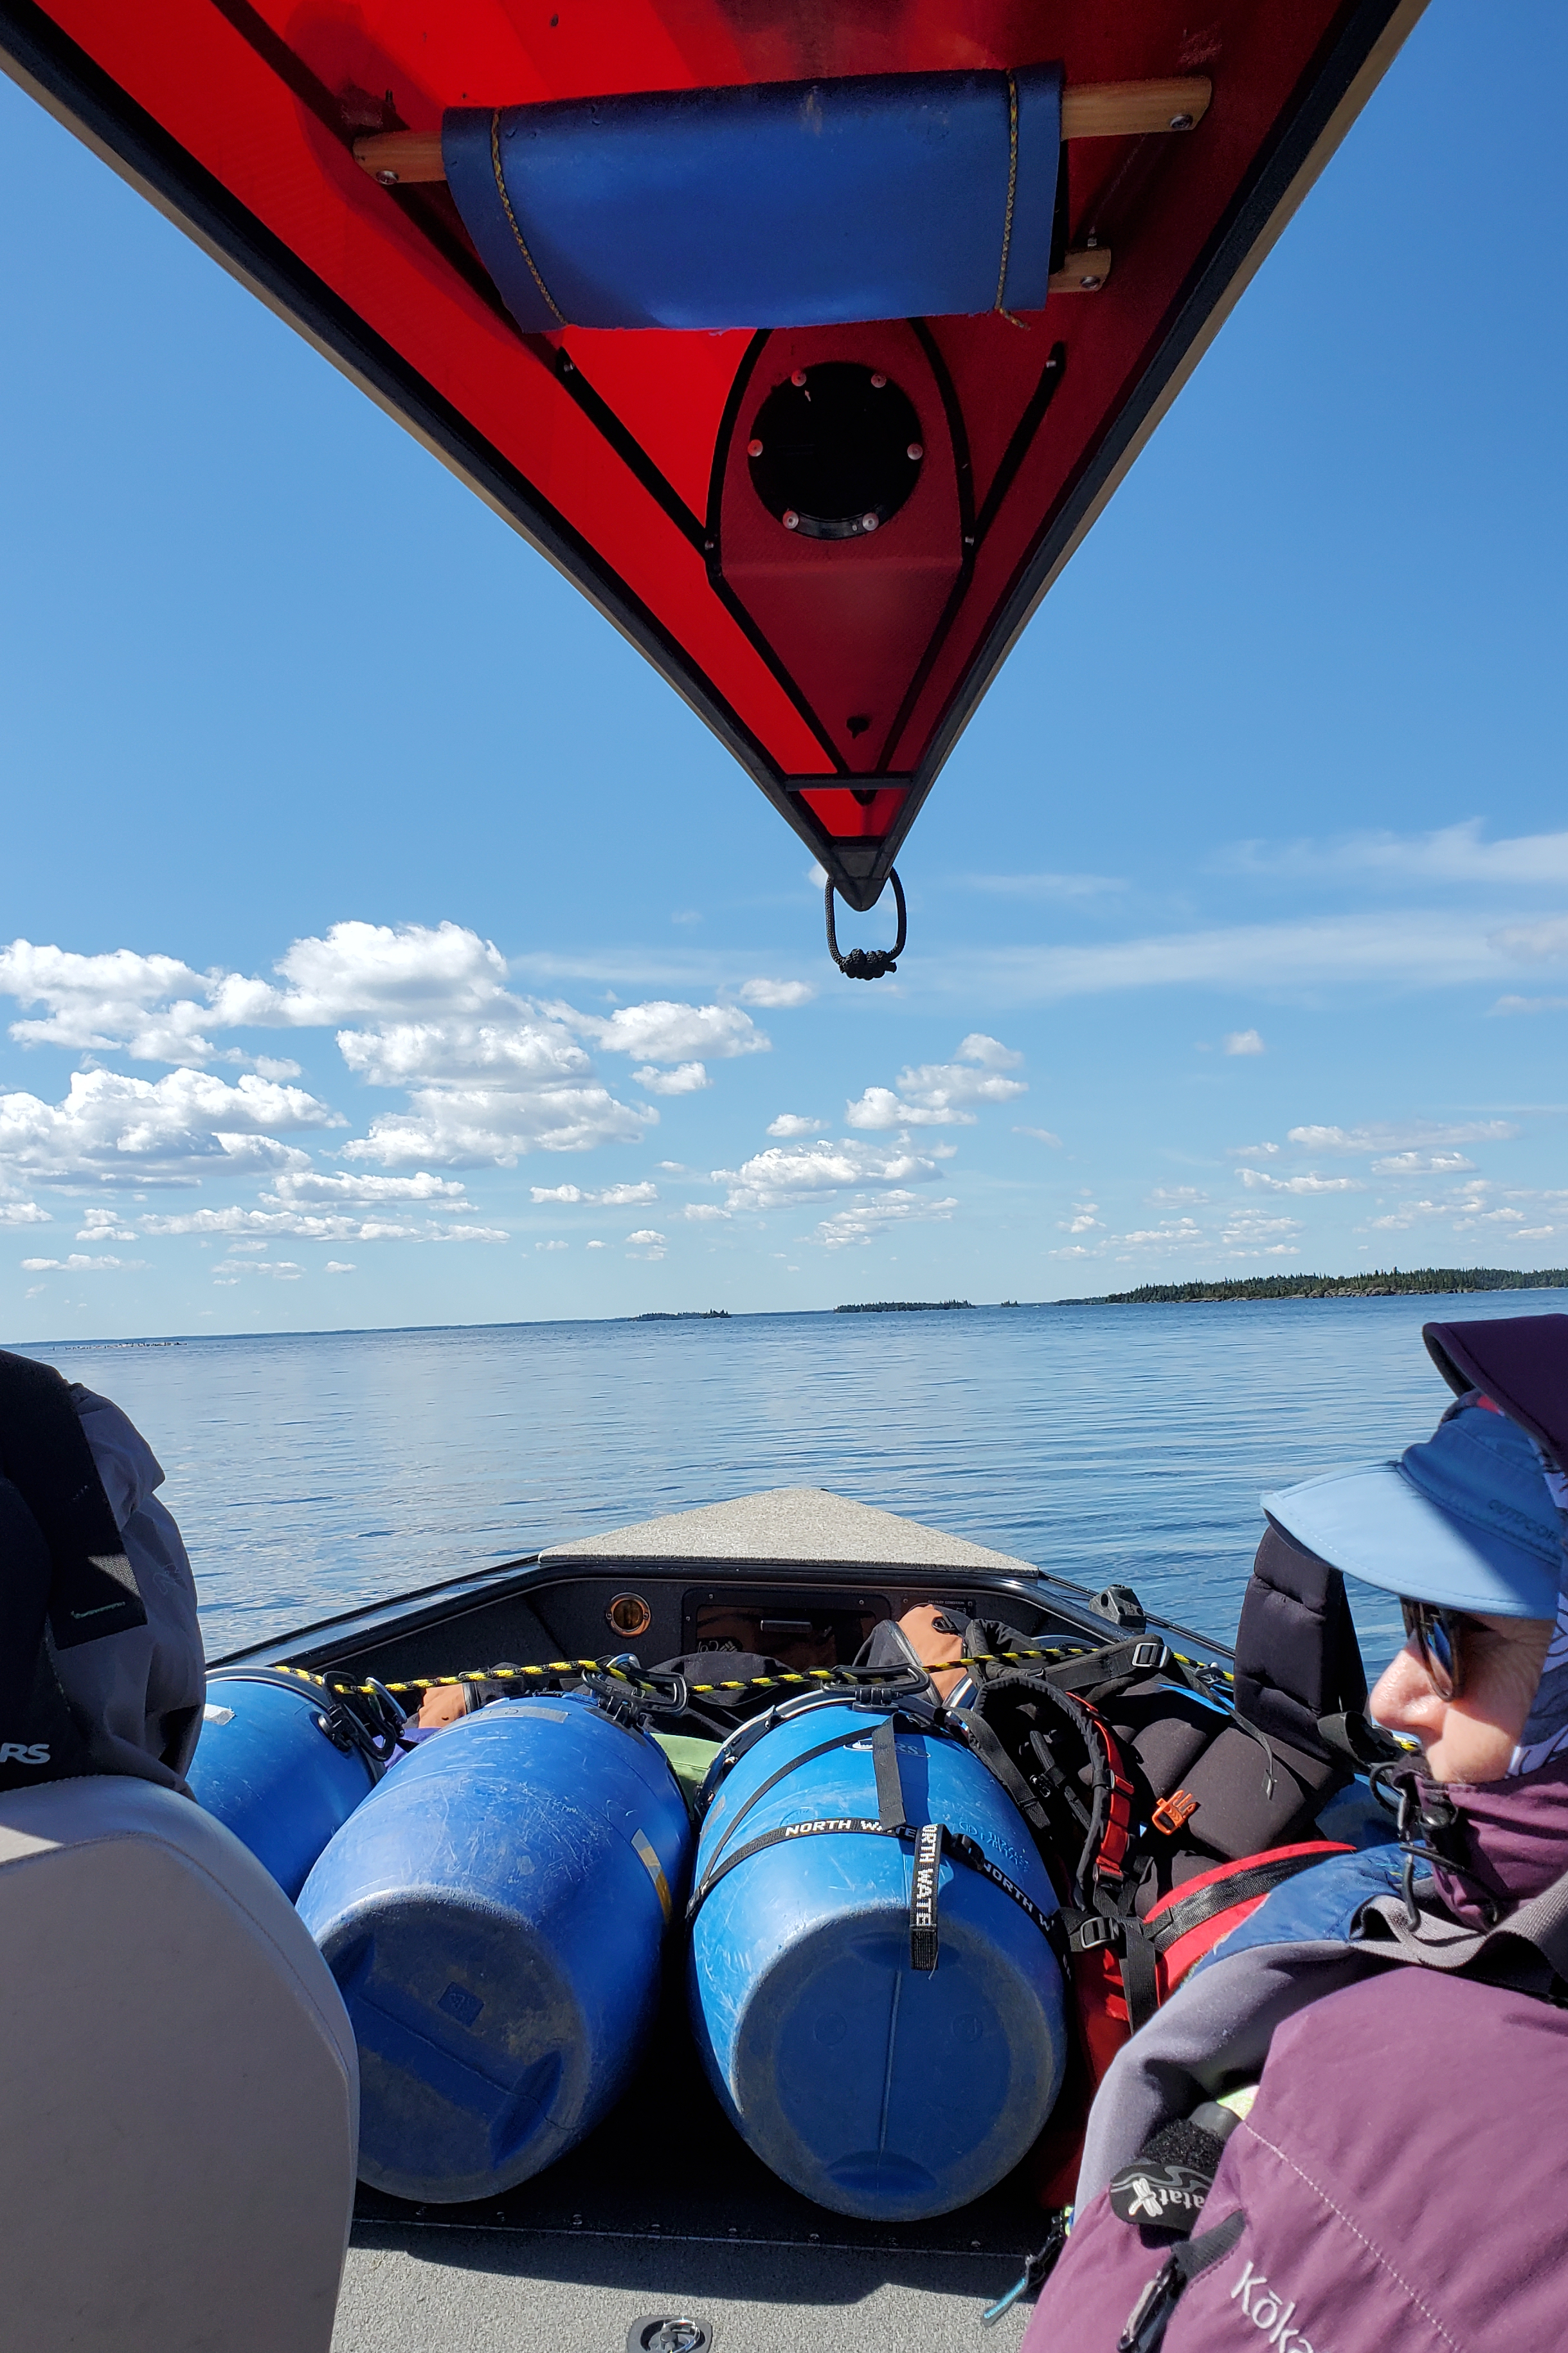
x=769, y=205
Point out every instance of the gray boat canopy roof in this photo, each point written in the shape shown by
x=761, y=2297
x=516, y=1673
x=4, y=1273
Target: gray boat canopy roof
x=787, y=1525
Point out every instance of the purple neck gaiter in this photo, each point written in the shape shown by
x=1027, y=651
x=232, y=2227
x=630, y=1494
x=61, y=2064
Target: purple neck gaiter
x=1518, y=1836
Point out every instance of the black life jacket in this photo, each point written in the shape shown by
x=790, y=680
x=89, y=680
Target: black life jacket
x=64, y=1576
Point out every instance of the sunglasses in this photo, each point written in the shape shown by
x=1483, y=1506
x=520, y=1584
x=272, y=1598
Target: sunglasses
x=1434, y=1634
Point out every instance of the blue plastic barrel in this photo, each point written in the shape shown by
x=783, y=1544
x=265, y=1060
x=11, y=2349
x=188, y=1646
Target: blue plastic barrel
x=875, y=2088
x=494, y=1916
x=271, y=1773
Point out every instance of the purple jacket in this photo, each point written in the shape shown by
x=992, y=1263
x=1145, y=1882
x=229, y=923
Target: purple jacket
x=1404, y=2171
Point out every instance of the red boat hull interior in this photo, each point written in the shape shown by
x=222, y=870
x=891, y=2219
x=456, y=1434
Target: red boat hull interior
x=838, y=670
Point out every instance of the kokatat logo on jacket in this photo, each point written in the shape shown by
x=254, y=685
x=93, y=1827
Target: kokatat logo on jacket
x=1266, y=2310
x=1149, y=2193
x=24, y=1752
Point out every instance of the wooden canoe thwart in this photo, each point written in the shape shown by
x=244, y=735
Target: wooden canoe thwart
x=1105, y=110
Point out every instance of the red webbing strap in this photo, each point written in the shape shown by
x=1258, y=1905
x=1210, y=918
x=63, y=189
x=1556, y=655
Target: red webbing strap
x=1117, y=1834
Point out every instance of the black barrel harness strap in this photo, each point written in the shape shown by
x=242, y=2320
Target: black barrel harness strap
x=932, y=1841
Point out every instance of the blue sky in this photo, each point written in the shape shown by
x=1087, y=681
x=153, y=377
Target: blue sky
x=389, y=946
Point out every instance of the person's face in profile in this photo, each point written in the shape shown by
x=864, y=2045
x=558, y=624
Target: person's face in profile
x=1470, y=1738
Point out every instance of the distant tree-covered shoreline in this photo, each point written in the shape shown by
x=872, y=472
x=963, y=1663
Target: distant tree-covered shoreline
x=899, y=1306
x=1381, y=1284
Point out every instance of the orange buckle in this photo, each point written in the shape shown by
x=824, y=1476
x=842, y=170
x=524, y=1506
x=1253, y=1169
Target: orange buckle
x=1172, y=1811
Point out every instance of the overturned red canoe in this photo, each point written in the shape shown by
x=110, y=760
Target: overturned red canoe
x=609, y=257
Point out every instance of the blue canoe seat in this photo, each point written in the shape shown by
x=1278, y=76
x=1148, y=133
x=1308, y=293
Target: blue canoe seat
x=766, y=205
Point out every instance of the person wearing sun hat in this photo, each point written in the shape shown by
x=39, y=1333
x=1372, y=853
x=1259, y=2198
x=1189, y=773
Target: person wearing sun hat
x=1465, y=1528
x=1378, y=2148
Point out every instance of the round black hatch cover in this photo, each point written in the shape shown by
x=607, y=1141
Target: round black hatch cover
x=835, y=451
x=668, y=2333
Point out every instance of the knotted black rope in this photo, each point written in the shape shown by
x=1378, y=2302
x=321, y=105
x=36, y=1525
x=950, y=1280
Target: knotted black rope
x=868, y=964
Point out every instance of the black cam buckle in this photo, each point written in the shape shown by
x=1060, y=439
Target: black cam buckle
x=1097, y=1930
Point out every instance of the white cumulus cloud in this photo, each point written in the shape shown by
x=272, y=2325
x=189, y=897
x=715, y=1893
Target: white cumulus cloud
x=80, y=1264
x=314, y=1225
x=1414, y=1135
x=470, y=1127
x=686, y=1079
x=1260, y=1179
x=103, y=1224
x=775, y=996
x=867, y=1218
x=345, y=1190
x=158, y=1008
x=816, y=1172
x=988, y=1052
x=1244, y=1042
x=152, y=1005
x=937, y=1094
x=1422, y=1163
x=356, y=969
x=275, y=1270
x=138, y=1128
x=609, y=1197
x=794, y=1122
x=520, y=1050
x=660, y=1031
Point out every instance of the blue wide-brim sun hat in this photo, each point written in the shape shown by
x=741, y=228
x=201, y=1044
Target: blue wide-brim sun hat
x=1463, y=1519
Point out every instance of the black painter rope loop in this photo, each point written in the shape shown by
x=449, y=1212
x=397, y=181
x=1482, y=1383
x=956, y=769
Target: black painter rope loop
x=868, y=964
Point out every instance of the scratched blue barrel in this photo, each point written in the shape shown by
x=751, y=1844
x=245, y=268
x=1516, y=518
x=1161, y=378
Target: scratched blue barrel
x=494, y=1915
x=269, y=1767
x=874, y=2087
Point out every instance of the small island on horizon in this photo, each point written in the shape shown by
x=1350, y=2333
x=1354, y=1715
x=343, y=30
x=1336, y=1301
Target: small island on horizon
x=1430, y=1280
x=682, y=1315
x=900, y=1306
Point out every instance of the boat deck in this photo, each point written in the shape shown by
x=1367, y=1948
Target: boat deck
x=465, y=2290
x=663, y=2211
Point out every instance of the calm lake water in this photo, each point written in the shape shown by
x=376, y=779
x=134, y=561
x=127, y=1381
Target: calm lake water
x=313, y=1471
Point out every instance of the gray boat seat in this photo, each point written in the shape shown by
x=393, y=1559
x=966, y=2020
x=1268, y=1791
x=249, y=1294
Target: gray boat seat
x=179, y=2093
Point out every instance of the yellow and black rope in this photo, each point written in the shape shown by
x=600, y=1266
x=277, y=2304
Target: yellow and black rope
x=788, y=1678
